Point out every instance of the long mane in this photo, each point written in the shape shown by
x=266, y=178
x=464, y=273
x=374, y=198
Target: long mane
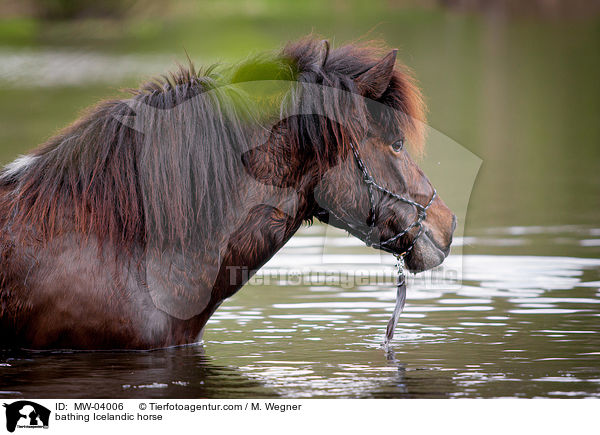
x=176, y=177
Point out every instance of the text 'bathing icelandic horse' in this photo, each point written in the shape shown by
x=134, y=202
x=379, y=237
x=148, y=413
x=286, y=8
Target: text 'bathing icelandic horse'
x=130, y=227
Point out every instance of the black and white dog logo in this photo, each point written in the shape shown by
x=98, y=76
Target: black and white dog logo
x=26, y=414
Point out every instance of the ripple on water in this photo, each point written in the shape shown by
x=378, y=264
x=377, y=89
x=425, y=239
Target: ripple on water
x=502, y=326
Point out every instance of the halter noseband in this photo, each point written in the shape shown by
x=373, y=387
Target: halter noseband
x=372, y=218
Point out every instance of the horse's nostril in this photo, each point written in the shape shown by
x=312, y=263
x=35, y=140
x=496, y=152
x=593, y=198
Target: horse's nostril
x=453, y=222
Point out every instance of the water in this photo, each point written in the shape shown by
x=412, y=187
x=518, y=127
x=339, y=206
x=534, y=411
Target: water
x=519, y=326
x=520, y=318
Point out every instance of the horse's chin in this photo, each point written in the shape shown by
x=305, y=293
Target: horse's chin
x=425, y=255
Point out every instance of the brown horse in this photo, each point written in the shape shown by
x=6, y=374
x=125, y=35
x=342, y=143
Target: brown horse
x=130, y=227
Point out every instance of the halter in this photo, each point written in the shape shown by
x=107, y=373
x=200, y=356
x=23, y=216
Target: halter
x=372, y=185
x=372, y=218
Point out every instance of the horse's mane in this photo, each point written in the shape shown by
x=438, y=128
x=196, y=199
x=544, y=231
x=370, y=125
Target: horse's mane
x=114, y=181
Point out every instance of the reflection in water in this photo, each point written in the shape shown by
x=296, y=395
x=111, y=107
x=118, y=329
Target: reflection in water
x=183, y=372
x=518, y=326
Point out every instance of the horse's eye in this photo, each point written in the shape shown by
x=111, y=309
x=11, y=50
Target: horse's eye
x=398, y=145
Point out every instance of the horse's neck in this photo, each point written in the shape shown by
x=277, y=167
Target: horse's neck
x=184, y=283
x=263, y=222
x=267, y=222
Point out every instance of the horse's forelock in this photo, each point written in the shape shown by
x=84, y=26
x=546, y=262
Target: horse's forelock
x=403, y=97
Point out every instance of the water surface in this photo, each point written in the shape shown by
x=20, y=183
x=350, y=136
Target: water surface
x=518, y=326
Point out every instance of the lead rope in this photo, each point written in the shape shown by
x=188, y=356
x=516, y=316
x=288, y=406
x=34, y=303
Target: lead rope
x=400, y=301
x=371, y=220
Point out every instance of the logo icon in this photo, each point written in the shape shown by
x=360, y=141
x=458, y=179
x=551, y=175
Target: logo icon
x=26, y=414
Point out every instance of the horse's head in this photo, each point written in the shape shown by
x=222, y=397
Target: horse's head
x=365, y=181
x=381, y=196
x=376, y=191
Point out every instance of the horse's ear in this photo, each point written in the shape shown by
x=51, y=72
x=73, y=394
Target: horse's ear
x=373, y=82
x=323, y=53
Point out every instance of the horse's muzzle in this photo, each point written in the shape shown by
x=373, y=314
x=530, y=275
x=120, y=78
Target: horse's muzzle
x=428, y=252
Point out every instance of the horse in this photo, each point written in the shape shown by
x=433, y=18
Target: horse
x=128, y=228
